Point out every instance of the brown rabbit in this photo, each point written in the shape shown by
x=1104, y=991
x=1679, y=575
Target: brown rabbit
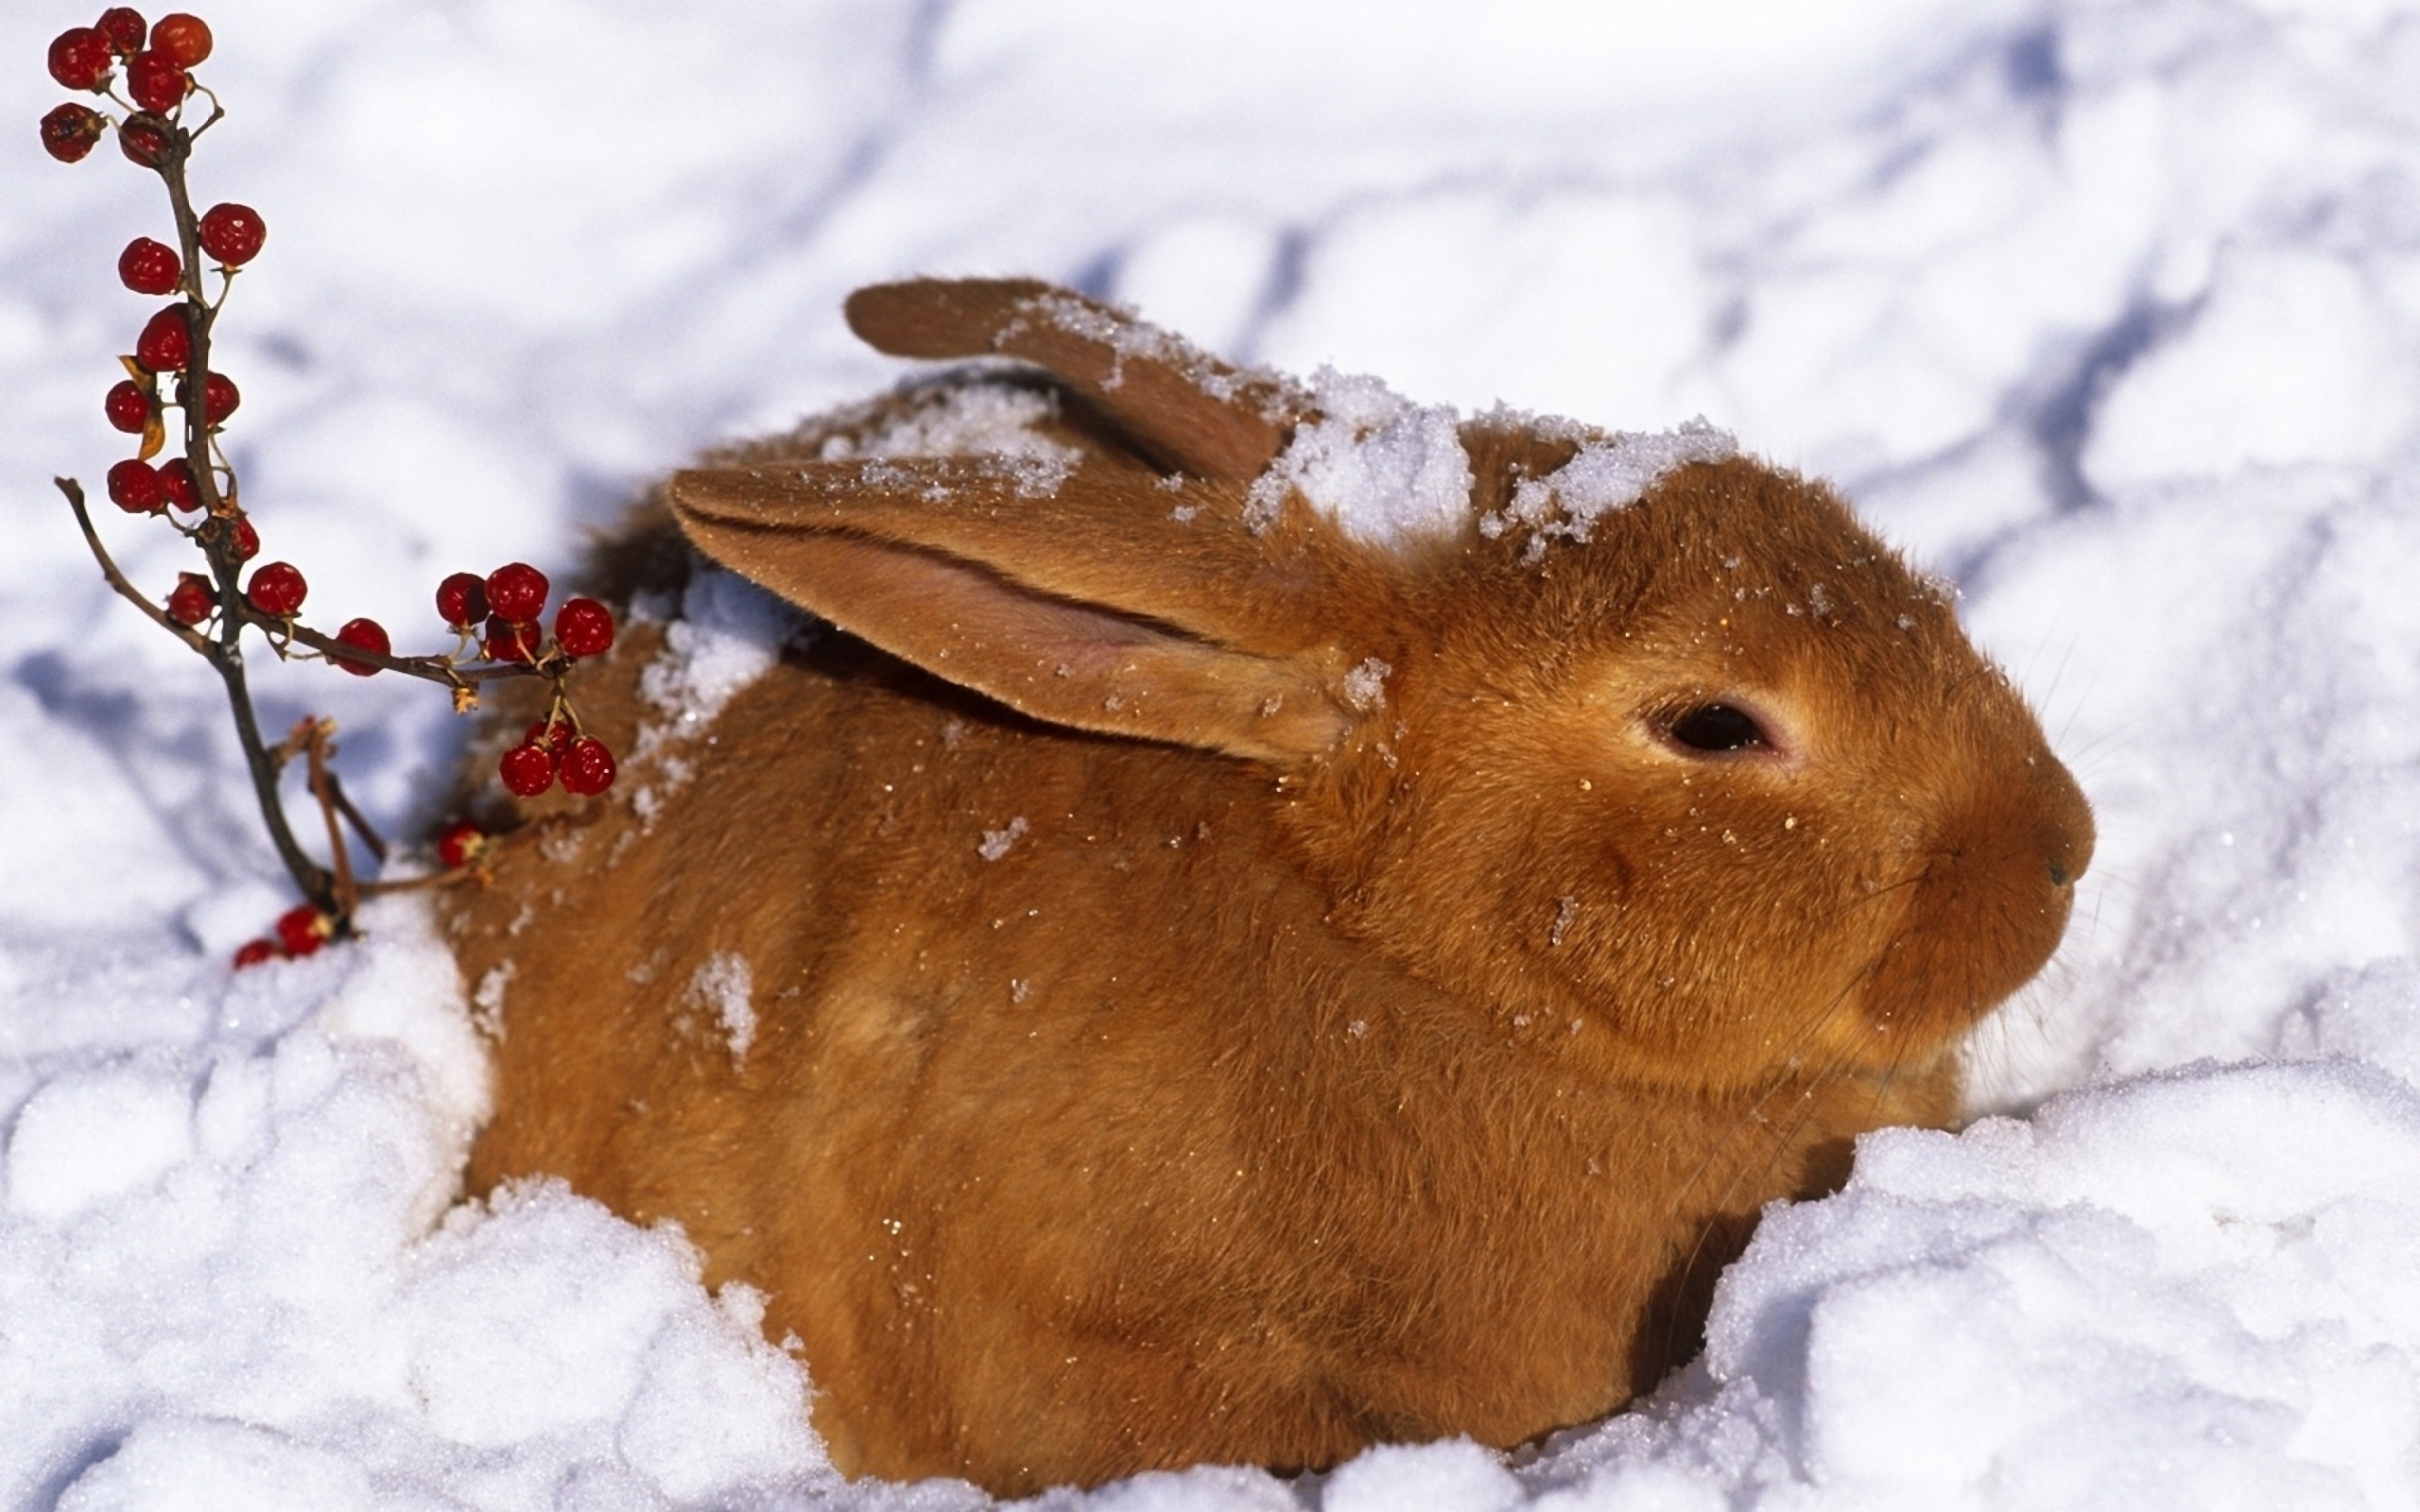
x=1190, y=976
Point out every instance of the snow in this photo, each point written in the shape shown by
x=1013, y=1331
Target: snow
x=2105, y=308
x=722, y=985
x=1604, y=476
x=996, y=843
x=1383, y=467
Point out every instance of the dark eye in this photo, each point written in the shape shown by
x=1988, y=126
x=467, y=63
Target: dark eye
x=1718, y=727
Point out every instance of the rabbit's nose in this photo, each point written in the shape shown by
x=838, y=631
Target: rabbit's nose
x=2067, y=832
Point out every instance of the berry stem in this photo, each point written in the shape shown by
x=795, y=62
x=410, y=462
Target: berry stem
x=361, y=827
x=116, y=580
x=314, y=734
x=218, y=545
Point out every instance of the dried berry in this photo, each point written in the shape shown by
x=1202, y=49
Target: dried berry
x=370, y=636
x=167, y=342
x=182, y=37
x=462, y=599
x=69, y=131
x=304, y=929
x=150, y=267
x=584, y=627
x=123, y=27
x=80, y=58
x=511, y=640
x=255, y=952
x=517, y=590
x=143, y=139
x=277, y=589
x=127, y=406
x=233, y=233
x=154, y=81
x=134, y=486
x=178, y=484
x=220, y=398
x=526, y=770
x=587, y=767
x=191, y=601
x=248, y=541
x=461, y=844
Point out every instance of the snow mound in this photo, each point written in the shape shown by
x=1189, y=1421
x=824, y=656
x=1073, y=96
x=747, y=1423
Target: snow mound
x=235, y=1271
x=2178, y=1292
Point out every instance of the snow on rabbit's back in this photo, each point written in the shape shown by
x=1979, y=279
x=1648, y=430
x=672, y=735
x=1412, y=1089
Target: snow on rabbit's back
x=1279, y=921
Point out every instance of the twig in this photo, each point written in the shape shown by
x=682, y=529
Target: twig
x=314, y=734
x=125, y=589
x=352, y=816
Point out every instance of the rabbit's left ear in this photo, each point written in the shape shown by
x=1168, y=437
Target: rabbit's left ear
x=1177, y=402
x=1091, y=607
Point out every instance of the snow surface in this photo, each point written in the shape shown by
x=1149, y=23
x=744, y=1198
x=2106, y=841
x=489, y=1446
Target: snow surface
x=2110, y=309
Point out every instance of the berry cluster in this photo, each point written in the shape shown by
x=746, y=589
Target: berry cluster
x=146, y=73
x=502, y=611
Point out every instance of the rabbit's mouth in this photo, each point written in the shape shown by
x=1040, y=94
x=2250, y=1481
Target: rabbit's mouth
x=1987, y=906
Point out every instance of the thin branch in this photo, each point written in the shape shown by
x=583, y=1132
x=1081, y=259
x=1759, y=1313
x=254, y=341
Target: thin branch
x=199, y=645
x=352, y=816
x=315, y=745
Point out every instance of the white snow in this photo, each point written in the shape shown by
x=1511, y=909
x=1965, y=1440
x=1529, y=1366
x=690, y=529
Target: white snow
x=1365, y=686
x=996, y=843
x=2109, y=309
x=729, y=632
x=1605, y=476
x=1385, y=468
x=721, y=986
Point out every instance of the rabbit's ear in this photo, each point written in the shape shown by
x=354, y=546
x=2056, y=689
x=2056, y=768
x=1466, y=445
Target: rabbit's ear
x=1088, y=607
x=1178, y=404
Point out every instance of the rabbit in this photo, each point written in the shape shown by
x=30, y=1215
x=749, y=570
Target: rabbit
x=1161, y=969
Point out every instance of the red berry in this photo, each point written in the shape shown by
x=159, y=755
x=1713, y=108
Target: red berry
x=233, y=233
x=191, y=601
x=304, y=929
x=552, y=739
x=127, y=406
x=584, y=627
x=220, y=398
x=177, y=483
x=517, y=590
x=277, y=589
x=69, y=131
x=143, y=139
x=122, y=25
x=134, y=486
x=150, y=267
x=526, y=770
x=154, y=81
x=370, y=636
x=80, y=57
x=511, y=640
x=248, y=541
x=462, y=599
x=588, y=767
x=255, y=952
x=167, y=342
x=461, y=843
x=182, y=37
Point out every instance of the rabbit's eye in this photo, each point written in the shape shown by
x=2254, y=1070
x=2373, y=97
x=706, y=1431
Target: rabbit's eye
x=1718, y=726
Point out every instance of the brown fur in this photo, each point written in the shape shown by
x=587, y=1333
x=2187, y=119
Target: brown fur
x=1305, y=1075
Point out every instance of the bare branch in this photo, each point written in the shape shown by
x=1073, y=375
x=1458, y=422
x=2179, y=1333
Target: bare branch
x=75, y=492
